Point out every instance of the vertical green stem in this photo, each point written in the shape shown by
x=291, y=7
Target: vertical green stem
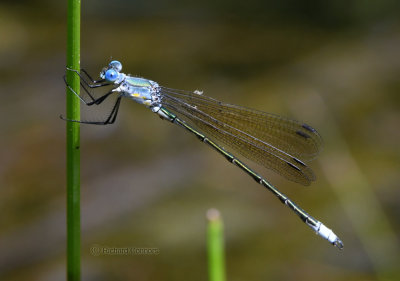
x=73, y=150
x=215, y=246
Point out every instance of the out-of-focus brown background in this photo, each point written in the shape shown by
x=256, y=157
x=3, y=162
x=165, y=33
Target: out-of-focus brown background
x=147, y=183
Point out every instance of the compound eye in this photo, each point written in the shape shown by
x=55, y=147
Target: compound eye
x=111, y=75
x=115, y=65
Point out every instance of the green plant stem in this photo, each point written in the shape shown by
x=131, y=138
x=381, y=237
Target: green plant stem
x=215, y=246
x=73, y=146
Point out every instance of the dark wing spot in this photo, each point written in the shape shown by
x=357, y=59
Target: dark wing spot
x=293, y=166
x=302, y=134
x=309, y=128
x=299, y=162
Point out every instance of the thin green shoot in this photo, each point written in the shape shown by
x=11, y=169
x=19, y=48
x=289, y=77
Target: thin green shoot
x=215, y=246
x=73, y=144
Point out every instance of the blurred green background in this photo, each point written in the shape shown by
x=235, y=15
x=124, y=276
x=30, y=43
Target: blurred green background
x=146, y=183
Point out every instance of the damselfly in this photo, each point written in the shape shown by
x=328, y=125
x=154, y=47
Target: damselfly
x=277, y=143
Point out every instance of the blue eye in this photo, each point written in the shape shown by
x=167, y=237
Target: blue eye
x=111, y=75
x=115, y=65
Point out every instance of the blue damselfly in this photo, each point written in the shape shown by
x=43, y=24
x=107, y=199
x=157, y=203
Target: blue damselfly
x=277, y=143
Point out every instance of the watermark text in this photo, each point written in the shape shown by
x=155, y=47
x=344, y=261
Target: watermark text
x=99, y=250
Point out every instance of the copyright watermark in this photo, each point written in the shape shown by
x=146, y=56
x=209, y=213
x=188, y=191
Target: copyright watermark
x=99, y=250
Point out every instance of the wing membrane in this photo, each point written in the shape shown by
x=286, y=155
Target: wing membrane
x=270, y=140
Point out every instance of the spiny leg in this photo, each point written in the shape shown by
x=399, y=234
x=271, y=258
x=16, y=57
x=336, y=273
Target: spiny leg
x=316, y=225
x=94, y=101
x=94, y=82
x=109, y=120
x=92, y=85
x=115, y=110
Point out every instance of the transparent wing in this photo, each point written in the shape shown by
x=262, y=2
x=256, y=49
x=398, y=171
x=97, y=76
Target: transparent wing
x=275, y=142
